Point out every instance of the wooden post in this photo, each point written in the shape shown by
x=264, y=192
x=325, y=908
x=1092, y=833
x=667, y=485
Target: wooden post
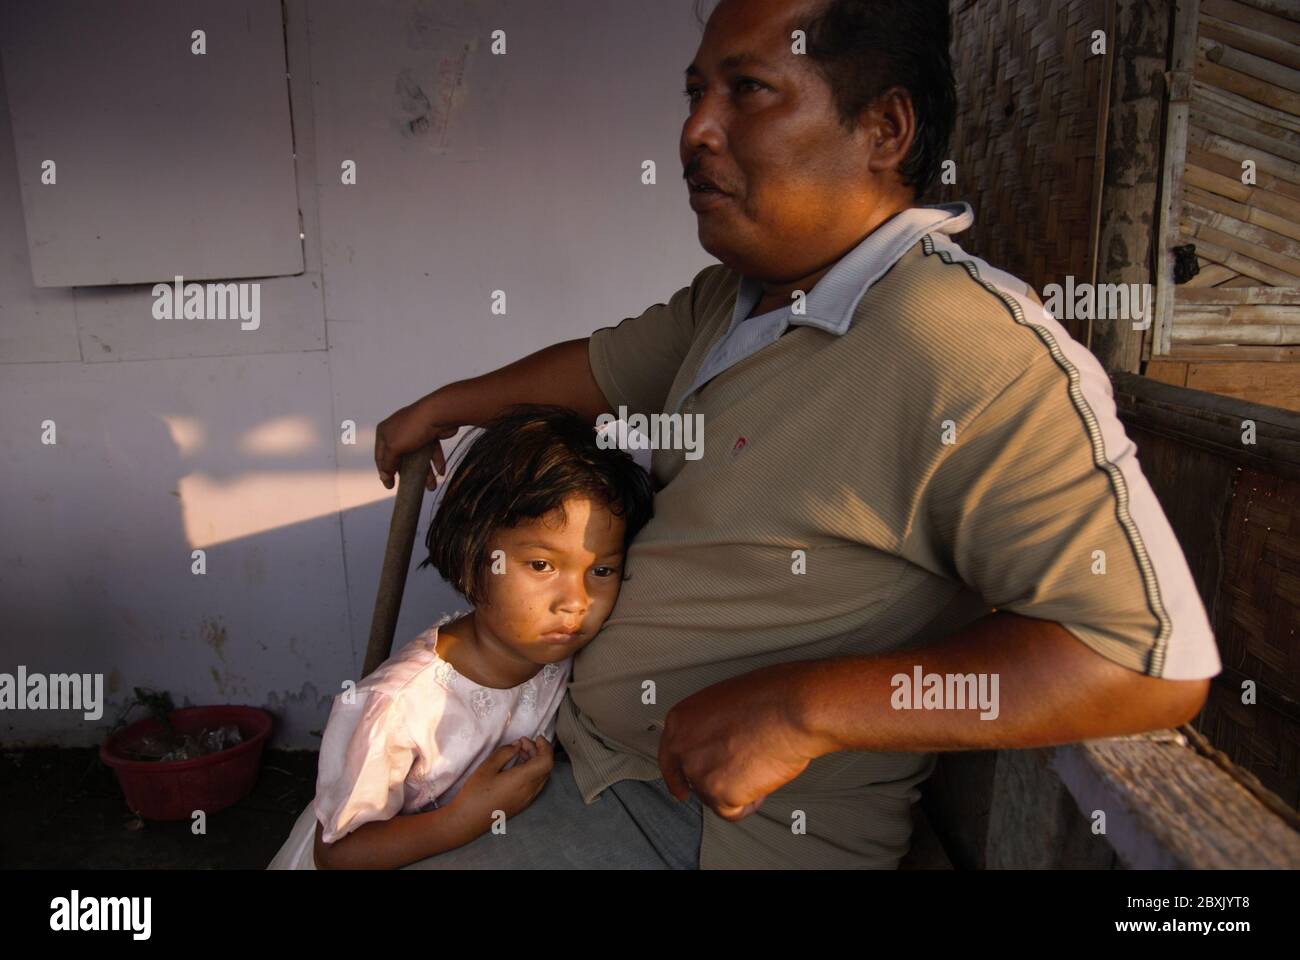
x=397, y=555
x=1182, y=61
x=1131, y=182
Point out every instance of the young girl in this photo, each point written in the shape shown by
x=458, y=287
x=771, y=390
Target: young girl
x=532, y=527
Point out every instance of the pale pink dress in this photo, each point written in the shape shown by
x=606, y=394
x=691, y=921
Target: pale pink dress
x=414, y=733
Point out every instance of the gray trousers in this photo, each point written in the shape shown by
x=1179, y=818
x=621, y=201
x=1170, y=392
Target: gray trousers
x=632, y=825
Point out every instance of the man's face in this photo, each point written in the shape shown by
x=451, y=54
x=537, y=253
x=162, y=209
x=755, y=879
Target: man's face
x=765, y=130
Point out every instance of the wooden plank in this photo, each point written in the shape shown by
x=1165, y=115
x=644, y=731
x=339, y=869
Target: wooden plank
x=1204, y=93
x=1202, y=139
x=1239, y=281
x=1182, y=59
x=1210, y=422
x=1252, y=88
x=1239, y=354
x=1167, y=371
x=1238, y=313
x=1227, y=167
x=1267, y=244
x=1222, y=248
x=1168, y=807
x=1277, y=384
x=1261, y=68
x=1251, y=41
x=1283, y=28
x=1249, y=132
x=1273, y=335
x=1211, y=273
x=1243, y=211
x=1129, y=188
x=1285, y=295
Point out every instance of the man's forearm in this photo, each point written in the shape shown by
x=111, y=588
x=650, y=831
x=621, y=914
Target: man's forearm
x=1051, y=689
x=559, y=374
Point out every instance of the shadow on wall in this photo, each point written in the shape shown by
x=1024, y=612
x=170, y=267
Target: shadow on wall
x=203, y=558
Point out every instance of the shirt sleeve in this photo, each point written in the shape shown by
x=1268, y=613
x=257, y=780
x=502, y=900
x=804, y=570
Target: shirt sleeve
x=365, y=757
x=635, y=362
x=1042, y=507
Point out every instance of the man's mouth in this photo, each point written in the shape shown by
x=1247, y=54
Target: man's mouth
x=702, y=185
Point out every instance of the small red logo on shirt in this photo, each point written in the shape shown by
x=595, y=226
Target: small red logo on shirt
x=740, y=445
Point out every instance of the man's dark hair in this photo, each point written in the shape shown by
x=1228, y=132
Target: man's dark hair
x=527, y=462
x=864, y=47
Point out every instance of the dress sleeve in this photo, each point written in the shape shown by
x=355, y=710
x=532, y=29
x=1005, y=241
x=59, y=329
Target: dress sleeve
x=365, y=756
x=1042, y=507
x=636, y=362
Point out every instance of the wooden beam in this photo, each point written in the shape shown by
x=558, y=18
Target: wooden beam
x=1178, y=82
x=1167, y=806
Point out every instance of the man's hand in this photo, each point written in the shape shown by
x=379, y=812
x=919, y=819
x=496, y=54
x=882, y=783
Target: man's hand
x=410, y=429
x=735, y=742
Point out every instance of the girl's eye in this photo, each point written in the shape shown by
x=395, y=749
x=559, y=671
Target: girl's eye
x=533, y=563
x=612, y=571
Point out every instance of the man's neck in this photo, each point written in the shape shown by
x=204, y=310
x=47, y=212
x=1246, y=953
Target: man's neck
x=776, y=295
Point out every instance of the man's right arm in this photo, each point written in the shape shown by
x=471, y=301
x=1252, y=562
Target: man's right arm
x=559, y=374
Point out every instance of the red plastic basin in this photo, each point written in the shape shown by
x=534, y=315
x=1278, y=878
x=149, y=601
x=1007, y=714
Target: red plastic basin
x=175, y=789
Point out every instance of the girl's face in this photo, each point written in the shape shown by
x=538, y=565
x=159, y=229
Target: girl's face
x=554, y=576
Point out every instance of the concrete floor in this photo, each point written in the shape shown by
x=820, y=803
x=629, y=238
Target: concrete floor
x=63, y=809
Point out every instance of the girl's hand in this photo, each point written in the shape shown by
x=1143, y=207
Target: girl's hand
x=492, y=787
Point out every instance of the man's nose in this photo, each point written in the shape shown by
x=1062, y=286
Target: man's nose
x=702, y=131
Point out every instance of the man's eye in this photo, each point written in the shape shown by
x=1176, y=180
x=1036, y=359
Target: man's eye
x=747, y=80
x=690, y=92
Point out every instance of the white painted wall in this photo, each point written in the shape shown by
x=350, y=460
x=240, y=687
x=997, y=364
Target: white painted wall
x=525, y=176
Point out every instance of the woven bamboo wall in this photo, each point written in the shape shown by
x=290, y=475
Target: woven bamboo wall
x=1025, y=141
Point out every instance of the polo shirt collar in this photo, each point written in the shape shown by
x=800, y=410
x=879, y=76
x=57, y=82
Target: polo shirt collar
x=834, y=299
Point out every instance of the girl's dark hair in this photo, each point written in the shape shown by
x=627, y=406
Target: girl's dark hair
x=527, y=462
x=864, y=47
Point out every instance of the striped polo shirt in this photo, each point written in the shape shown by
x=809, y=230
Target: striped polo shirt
x=921, y=444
